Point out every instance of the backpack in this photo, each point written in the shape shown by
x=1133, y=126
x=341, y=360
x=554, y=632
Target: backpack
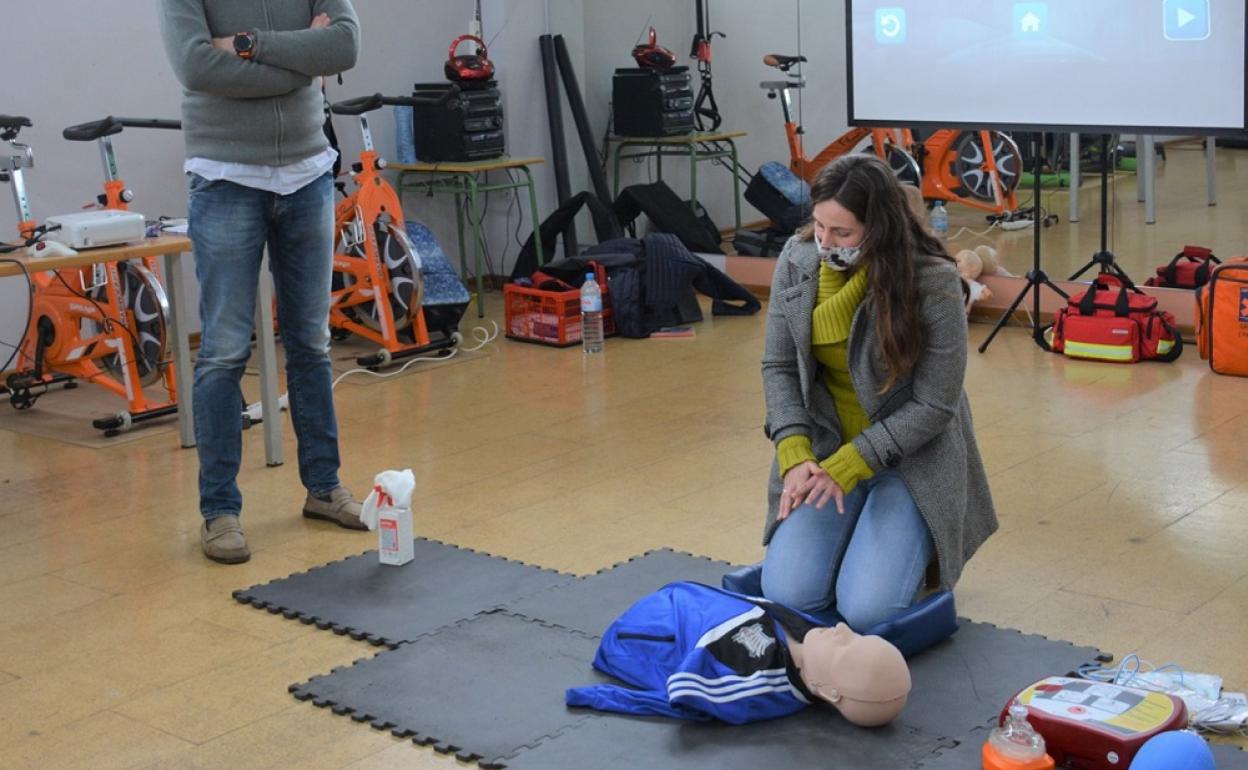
x=1114, y=321
x=1189, y=269
x=669, y=214
x=606, y=227
x=780, y=195
x=1222, y=318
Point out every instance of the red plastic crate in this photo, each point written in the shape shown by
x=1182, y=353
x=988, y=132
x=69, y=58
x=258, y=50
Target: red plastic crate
x=551, y=317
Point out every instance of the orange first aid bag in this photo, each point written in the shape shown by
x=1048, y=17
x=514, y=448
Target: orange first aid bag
x=1222, y=318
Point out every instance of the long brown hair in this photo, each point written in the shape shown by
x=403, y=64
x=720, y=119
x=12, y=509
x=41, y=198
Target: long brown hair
x=895, y=241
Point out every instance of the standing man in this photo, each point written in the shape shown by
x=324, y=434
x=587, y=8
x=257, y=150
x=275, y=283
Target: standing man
x=260, y=174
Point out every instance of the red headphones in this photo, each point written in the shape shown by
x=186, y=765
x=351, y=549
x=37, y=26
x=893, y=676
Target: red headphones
x=652, y=55
x=471, y=66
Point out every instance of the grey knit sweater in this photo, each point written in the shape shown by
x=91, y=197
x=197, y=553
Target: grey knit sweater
x=265, y=111
x=921, y=427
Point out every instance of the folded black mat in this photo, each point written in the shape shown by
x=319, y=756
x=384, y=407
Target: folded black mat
x=387, y=605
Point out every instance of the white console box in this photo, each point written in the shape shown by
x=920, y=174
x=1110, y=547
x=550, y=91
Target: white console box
x=90, y=229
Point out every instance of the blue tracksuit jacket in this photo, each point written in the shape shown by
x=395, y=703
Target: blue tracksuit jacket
x=696, y=652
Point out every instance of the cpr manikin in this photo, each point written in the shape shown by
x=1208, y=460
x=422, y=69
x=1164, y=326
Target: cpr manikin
x=863, y=677
x=694, y=652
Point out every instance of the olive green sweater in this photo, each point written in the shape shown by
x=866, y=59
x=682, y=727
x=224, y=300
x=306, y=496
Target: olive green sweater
x=835, y=303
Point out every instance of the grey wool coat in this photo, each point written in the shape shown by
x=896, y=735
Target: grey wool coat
x=921, y=426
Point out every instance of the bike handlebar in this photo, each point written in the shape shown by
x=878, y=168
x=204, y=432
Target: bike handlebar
x=365, y=104
x=171, y=125
x=98, y=129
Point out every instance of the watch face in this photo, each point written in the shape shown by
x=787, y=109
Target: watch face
x=242, y=43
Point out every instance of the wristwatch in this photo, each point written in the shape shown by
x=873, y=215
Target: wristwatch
x=245, y=44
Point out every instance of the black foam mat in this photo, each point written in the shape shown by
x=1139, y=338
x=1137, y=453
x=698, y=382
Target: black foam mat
x=966, y=680
x=1230, y=757
x=958, y=687
x=387, y=605
x=482, y=688
x=491, y=686
x=812, y=738
x=591, y=603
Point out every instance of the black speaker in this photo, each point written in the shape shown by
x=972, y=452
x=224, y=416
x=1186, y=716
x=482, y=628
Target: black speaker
x=468, y=126
x=650, y=102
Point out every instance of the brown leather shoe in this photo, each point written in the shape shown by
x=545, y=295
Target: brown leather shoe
x=223, y=540
x=342, y=508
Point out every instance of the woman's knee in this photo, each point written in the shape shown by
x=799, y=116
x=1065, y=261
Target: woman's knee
x=799, y=590
x=863, y=613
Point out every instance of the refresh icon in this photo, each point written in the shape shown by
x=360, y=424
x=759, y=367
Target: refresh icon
x=890, y=25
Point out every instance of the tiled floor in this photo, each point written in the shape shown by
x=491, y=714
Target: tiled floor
x=1122, y=492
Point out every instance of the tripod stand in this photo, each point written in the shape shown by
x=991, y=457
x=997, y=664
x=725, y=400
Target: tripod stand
x=1104, y=259
x=1036, y=277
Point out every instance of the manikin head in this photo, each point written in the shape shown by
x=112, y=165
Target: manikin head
x=865, y=678
x=970, y=264
x=988, y=255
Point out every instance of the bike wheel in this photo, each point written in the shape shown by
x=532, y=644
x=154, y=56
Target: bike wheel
x=144, y=297
x=968, y=164
x=402, y=267
x=903, y=164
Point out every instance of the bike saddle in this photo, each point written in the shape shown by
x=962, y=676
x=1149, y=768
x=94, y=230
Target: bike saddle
x=782, y=62
x=10, y=125
x=96, y=129
x=14, y=121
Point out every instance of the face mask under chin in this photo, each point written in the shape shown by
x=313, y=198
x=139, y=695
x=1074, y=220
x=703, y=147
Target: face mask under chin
x=840, y=257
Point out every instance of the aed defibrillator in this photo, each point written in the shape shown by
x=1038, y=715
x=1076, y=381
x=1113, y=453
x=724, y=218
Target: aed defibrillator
x=1091, y=725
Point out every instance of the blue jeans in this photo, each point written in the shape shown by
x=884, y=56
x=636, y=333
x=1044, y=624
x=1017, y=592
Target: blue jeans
x=863, y=566
x=230, y=225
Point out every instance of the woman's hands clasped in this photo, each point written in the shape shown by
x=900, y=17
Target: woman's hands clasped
x=807, y=483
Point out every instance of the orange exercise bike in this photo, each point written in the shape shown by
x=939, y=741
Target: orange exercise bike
x=151, y=360
x=377, y=288
x=103, y=323
x=980, y=169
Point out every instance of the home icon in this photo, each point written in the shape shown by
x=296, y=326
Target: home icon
x=1031, y=19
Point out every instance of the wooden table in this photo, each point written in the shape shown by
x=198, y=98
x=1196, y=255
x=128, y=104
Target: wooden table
x=697, y=147
x=464, y=180
x=172, y=248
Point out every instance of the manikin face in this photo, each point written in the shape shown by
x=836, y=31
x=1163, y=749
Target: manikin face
x=824, y=649
x=863, y=677
x=836, y=225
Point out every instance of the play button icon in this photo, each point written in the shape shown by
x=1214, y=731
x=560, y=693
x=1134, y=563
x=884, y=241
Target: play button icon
x=1186, y=19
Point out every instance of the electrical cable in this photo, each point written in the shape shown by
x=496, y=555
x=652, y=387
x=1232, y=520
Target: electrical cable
x=109, y=321
x=1217, y=714
x=482, y=336
x=30, y=311
x=974, y=233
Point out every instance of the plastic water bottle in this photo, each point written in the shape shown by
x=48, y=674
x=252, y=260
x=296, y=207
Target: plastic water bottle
x=1016, y=745
x=940, y=219
x=591, y=315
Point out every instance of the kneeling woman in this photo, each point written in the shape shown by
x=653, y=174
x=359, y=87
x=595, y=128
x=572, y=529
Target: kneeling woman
x=878, y=483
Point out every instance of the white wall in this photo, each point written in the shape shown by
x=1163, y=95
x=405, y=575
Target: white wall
x=753, y=29
x=118, y=67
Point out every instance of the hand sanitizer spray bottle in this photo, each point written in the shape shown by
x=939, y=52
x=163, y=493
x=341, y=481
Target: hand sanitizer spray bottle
x=388, y=510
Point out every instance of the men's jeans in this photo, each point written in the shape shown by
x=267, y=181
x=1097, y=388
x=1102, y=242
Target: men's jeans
x=865, y=565
x=229, y=226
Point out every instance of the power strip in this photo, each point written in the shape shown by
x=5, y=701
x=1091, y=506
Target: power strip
x=1017, y=224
